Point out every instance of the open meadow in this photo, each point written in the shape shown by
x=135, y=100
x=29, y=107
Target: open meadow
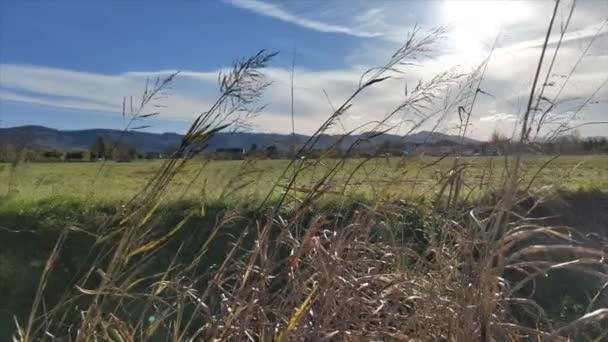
x=250, y=181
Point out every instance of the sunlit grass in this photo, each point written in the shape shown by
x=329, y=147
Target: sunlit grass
x=407, y=177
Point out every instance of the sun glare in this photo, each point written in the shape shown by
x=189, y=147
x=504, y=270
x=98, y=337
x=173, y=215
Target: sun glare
x=474, y=24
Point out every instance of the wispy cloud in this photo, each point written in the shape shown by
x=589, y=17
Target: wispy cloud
x=275, y=11
x=194, y=90
x=499, y=117
x=585, y=33
x=6, y=95
x=63, y=88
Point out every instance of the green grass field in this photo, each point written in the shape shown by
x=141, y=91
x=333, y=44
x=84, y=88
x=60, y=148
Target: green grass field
x=118, y=182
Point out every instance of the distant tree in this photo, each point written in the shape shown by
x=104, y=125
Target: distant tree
x=75, y=155
x=498, y=137
x=570, y=144
x=589, y=145
x=499, y=143
x=27, y=154
x=594, y=144
x=56, y=155
x=122, y=151
x=100, y=148
x=8, y=151
x=85, y=155
x=116, y=153
x=132, y=152
x=271, y=152
x=253, y=151
x=602, y=144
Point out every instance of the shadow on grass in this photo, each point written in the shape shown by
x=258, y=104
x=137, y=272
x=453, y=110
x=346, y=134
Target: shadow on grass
x=569, y=292
x=30, y=230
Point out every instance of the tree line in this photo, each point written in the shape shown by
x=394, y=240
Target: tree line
x=566, y=144
x=102, y=149
x=107, y=149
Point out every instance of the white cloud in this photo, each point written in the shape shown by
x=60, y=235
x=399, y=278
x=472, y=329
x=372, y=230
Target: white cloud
x=499, y=117
x=193, y=91
x=93, y=91
x=275, y=11
x=63, y=103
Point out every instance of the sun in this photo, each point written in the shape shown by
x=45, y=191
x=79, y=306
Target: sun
x=474, y=24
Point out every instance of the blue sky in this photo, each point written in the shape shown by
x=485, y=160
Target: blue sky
x=67, y=64
x=114, y=36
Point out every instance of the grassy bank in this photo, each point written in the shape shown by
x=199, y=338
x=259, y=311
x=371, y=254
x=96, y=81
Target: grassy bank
x=32, y=226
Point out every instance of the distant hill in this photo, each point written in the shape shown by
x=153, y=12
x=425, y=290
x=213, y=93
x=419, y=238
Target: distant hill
x=46, y=138
x=39, y=137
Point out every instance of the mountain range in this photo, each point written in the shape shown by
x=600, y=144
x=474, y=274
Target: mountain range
x=39, y=137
